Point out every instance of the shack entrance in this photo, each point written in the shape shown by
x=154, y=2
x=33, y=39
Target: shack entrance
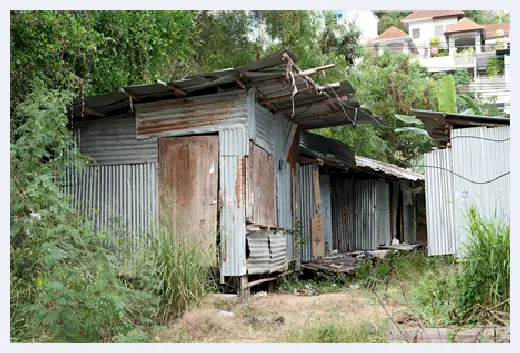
x=188, y=184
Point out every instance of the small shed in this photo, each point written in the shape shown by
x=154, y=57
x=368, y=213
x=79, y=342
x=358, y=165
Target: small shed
x=471, y=168
x=223, y=144
x=348, y=203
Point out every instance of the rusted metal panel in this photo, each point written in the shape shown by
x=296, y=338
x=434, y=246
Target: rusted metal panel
x=112, y=141
x=383, y=213
x=232, y=216
x=120, y=200
x=261, y=187
x=188, y=179
x=278, y=251
x=190, y=116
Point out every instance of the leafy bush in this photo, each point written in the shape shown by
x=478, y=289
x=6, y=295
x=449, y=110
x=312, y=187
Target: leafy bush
x=485, y=275
x=495, y=67
x=64, y=282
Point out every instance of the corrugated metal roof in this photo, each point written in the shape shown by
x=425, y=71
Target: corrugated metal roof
x=435, y=122
x=313, y=107
x=363, y=162
x=331, y=151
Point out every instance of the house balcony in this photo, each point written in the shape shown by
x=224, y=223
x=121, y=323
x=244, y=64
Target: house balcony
x=447, y=63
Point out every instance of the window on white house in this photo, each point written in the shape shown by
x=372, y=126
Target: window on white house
x=439, y=31
x=416, y=33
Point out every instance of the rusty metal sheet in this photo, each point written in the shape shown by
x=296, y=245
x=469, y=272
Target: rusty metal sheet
x=342, y=212
x=194, y=115
x=259, y=255
x=261, y=188
x=188, y=174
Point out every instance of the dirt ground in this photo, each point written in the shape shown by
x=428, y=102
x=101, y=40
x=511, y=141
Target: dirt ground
x=276, y=317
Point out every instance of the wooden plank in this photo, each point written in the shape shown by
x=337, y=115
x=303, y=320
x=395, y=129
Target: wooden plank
x=316, y=188
x=318, y=243
x=261, y=186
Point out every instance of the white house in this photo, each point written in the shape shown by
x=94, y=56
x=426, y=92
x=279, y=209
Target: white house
x=443, y=41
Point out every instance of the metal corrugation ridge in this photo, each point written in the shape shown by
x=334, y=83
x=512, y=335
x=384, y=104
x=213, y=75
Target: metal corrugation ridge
x=305, y=195
x=112, y=141
x=194, y=115
x=232, y=216
x=120, y=200
x=480, y=160
x=387, y=168
x=290, y=246
x=439, y=203
x=278, y=251
x=332, y=151
x=233, y=141
x=325, y=210
x=339, y=205
x=259, y=255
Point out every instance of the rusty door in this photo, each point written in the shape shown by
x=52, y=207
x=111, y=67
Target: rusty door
x=188, y=184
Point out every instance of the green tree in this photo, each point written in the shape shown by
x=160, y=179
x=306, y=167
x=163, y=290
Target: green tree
x=390, y=18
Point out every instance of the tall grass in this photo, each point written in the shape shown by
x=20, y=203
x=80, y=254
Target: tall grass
x=177, y=264
x=485, y=275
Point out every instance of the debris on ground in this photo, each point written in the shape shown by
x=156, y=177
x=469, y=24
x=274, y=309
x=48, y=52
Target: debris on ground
x=225, y=313
x=260, y=295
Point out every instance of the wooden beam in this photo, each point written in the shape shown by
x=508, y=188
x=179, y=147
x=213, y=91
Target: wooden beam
x=178, y=92
x=310, y=117
x=128, y=94
x=285, y=96
x=315, y=70
x=240, y=83
x=317, y=102
x=263, y=280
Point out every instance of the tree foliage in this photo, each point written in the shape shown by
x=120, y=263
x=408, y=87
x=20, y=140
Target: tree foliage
x=390, y=18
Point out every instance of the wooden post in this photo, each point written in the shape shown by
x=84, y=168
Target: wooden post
x=243, y=289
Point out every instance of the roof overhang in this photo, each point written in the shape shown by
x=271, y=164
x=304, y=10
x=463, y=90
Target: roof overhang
x=280, y=84
x=437, y=124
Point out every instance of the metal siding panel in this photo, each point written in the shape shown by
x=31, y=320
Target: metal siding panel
x=341, y=206
x=325, y=210
x=365, y=231
x=111, y=141
x=233, y=141
x=383, y=213
x=232, y=218
x=259, y=255
x=264, y=128
x=278, y=251
x=114, y=198
x=306, y=203
x=191, y=116
x=480, y=160
x=439, y=202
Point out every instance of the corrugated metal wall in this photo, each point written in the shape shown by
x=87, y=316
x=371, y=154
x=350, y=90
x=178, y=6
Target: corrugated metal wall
x=305, y=200
x=261, y=123
x=120, y=199
x=325, y=210
x=383, y=213
x=232, y=217
x=191, y=116
x=365, y=234
x=480, y=160
x=439, y=202
x=112, y=141
x=342, y=217
x=267, y=251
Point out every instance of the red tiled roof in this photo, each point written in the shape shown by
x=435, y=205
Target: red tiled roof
x=463, y=25
x=432, y=14
x=391, y=32
x=491, y=29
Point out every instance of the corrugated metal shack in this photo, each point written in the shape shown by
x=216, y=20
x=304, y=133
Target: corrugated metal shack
x=222, y=144
x=348, y=203
x=472, y=170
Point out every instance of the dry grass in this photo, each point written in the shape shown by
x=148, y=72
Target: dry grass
x=340, y=317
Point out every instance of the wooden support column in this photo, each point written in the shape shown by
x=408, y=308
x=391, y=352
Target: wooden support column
x=243, y=289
